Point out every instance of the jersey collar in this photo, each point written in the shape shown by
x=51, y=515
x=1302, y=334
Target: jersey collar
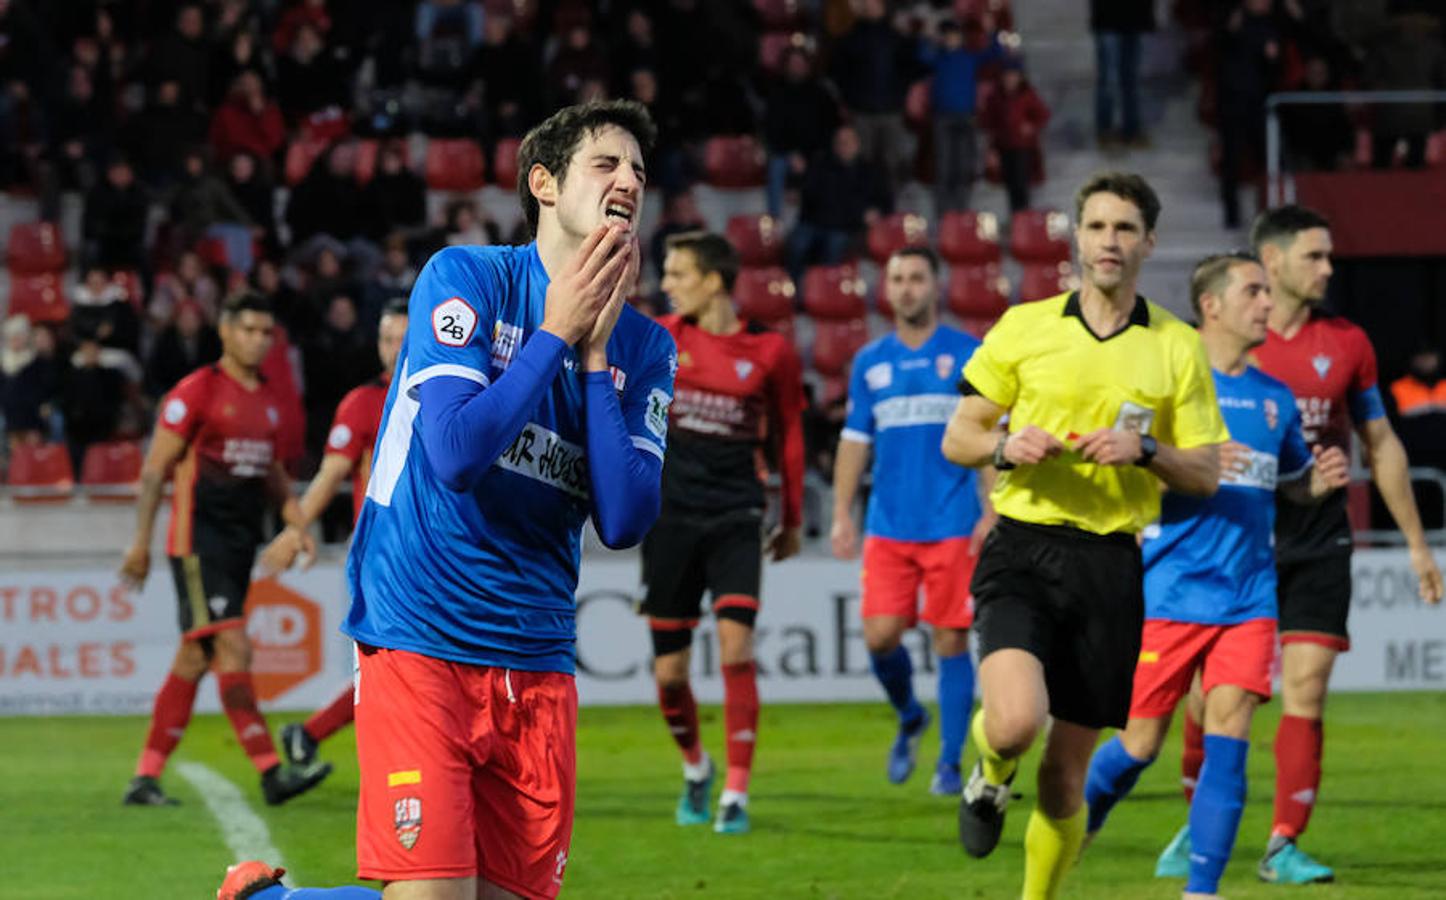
x=1140, y=316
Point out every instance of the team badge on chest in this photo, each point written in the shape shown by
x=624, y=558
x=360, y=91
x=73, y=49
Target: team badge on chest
x=944, y=365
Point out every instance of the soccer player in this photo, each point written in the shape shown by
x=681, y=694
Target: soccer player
x=1107, y=395
x=1210, y=576
x=349, y=447
x=528, y=398
x=740, y=390
x=217, y=434
x=924, y=513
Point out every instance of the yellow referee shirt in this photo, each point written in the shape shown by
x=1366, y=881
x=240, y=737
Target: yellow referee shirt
x=1046, y=368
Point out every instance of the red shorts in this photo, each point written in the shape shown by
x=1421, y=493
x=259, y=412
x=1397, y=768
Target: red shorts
x=1171, y=652
x=894, y=571
x=465, y=770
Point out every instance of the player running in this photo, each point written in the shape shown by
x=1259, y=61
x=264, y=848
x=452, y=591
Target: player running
x=217, y=435
x=740, y=391
x=349, y=447
x=1107, y=396
x=1210, y=576
x=924, y=517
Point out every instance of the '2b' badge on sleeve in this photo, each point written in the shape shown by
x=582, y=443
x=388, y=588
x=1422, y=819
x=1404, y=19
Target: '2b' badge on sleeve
x=453, y=322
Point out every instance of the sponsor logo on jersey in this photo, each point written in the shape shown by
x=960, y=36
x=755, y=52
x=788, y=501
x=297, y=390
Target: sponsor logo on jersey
x=247, y=458
x=656, y=415
x=879, y=376
x=506, y=339
x=407, y=817
x=1322, y=364
x=944, y=365
x=338, y=439
x=743, y=367
x=919, y=409
x=543, y=455
x=175, y=411
x=453, y=322
x=1272, y=414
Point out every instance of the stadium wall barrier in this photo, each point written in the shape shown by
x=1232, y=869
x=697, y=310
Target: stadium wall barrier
x=76, y=642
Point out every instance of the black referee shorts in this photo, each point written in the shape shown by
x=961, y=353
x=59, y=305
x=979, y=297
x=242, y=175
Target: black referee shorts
x=1315, y=600
x=685, y=555
x=1075, y=601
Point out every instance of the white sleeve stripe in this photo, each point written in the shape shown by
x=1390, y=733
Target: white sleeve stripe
x=451, y=369
x=643, y=443
x=1291, y=476
x=862, y=437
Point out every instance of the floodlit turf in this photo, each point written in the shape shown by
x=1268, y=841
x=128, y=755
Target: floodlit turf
x=826, y=823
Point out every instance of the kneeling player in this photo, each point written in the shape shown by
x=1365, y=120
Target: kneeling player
x=1210, y=576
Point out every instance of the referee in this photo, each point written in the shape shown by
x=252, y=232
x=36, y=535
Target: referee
x=1107, y=395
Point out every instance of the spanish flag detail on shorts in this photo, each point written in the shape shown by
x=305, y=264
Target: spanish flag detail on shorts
x=409, y=776
x=1146, y=656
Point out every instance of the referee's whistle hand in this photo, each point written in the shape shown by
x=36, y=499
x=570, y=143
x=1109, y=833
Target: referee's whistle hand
x=1109, y=447
x=1031, y=445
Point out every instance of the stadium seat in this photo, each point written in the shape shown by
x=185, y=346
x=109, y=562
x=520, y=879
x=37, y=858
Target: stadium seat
x=454, y=164
x=301, y=156
x=758, y=239
x=504, y=163
x=777, y=14
x=1041, y=280
x=969, y=238
x=765, y=294
x=733, y=162
x=40, y=473
x=39, y=297
x=978, y=296
x=835, y=343
x=1436, y=150
x=894, y=232
x=833, y=389
x=834, y=292
x=35, y=247
x=1039, y=236
x=366, y=159
x=111, y=471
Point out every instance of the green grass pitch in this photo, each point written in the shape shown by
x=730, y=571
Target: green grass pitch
x=826, y=823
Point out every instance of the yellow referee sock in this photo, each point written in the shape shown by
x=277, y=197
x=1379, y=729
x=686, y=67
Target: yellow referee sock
x=997, y=769
x=1051, y=847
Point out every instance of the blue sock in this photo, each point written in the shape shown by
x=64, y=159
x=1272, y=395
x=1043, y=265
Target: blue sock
x=956, y=701
x=351, y=892
x=895, y=672
x=1215, y=811
x=1113, y=773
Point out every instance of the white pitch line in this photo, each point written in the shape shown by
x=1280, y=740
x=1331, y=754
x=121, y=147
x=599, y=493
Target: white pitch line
x=246, y=835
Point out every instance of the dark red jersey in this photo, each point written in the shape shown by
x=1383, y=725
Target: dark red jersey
x=220, y=482
x=734, y=395
x=1330, y=367
x=354, y=433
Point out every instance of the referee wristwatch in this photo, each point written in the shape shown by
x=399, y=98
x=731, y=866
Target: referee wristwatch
x=1148, y=448
x=1000, y=462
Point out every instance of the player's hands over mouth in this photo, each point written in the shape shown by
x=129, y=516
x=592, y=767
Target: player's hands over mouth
x=135, y=567
x=1423, y=563
x=1031, y=445
x=844, y=536
x=783, y=543
x=579, y=293
x=1109, y=447
x=1332, y=470
x=595, y=346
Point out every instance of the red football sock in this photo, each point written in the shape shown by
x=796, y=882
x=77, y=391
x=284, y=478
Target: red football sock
x=332, y=717
x=740, y=716
x=169, y=717
x=1193, y=756
x=238, y=699
x=1298, y=745
x=681, y=713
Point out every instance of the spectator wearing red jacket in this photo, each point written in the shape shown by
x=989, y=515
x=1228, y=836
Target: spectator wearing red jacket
x=248, y=122
x=1013, y=117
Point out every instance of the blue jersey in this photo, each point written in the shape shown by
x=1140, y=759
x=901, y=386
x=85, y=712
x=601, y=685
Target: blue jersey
x=899, y=401
x=1212, y=560
x=487, y=575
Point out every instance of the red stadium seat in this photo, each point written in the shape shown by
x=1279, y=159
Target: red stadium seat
x=40, y=297
x=35, y=247
x=1039, y=236
x=301, y=156
x=834, y=292
x=366, y=159
x=978, y=295
x=764, y=293
x=834, y=389
x=895, y=232
x=835, y=343
x=40, y=473
x=733, y=162
x=504, y=163
x=1436, y=150
x=111, y=471
x=775, y=14
x=969, y=238
x=454, y=164
x=1041, y=280
x=758, y=239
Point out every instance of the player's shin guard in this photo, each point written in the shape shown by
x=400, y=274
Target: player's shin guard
x=956, y=700
x=895, y=671
x=1051, y=847
x=680, y=711
x=1215, y=811
x=997, y=769
x=1113, y=773
x=332, y=717
x=238, y=699
x=1192, y=756
x=169, y=717
x=740, y=716
x=1298, y=745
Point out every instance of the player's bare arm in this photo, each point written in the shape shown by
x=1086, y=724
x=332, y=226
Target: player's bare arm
x=849, y=463
x=595, y=346
x=971, y=439
x=166, y=448
x=583, y=288
x=283, y=550
x=1331, y=472
x=1390, y=470
x=278, y=486
x=1195, y=471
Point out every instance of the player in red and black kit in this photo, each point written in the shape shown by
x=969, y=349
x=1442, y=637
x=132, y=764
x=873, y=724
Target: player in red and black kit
x=217, y=433
x=739, y=392
x=349, y=447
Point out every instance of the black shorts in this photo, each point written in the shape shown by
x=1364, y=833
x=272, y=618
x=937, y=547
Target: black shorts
x=685, y=555
x=1076, y=602
x=211, y=591
x=1315, y=600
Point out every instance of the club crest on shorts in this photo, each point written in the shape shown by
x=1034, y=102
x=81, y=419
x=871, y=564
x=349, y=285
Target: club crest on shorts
x=407, y=816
